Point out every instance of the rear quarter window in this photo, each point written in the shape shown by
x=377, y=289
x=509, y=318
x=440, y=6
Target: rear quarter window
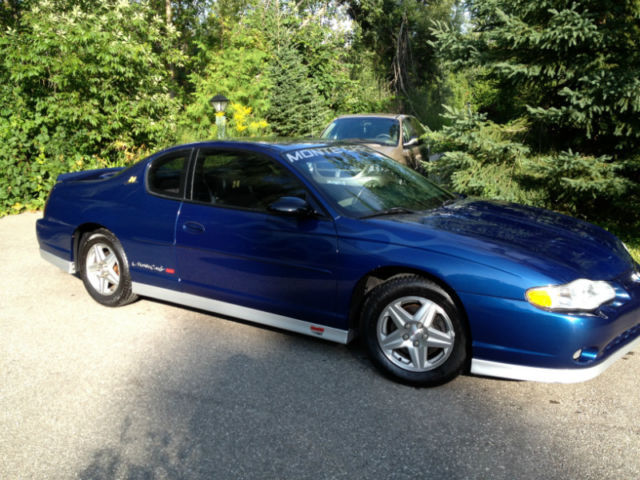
x=167, y=175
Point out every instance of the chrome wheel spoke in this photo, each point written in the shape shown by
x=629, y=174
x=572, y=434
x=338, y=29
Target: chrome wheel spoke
x=418, y=356
x=113, y=278
x=439, y=339
x=111, y=261
x=93, y=268
x=398, y=314
x=426, y=313
x=102, y=285
x=393, y=341
x=98, y=252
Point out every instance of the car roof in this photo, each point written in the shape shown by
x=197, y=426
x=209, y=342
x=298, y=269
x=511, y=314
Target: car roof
x=274, y=145
x=394, y=116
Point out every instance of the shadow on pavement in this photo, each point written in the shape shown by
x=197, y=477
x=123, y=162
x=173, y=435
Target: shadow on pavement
x=310, y=409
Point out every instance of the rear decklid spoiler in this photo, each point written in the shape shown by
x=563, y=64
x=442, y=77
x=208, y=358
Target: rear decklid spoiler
x=97, y=174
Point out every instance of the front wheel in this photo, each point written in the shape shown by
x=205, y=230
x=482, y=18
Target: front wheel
x=104, y=269
x=414, y=332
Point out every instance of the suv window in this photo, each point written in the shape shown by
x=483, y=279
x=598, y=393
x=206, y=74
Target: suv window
x=167, y=174
x=242, y=180
x=417, y=126
x=408, y=132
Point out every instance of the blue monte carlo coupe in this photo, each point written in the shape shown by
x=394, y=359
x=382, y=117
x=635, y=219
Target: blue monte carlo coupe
x=331, y=240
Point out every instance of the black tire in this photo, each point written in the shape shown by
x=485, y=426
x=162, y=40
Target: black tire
x=431, y=346
x=104, y=269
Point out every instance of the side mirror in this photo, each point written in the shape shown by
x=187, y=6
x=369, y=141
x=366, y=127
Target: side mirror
x=290, y=206
x=412, y=142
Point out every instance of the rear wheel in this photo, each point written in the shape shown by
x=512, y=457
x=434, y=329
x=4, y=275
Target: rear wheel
x=414, y=332
x=104, y=269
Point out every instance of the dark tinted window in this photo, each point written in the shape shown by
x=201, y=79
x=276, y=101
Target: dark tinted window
x=167, y=174
x=244, y=180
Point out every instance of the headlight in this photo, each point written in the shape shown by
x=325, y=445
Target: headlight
x=581, y=294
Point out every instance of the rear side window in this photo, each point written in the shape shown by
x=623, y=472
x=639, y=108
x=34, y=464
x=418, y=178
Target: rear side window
x=167, y=174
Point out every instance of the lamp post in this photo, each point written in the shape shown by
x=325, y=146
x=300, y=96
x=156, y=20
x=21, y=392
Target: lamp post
x=219, y=103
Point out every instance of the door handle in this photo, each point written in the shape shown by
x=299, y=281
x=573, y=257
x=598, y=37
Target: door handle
x=193, y=227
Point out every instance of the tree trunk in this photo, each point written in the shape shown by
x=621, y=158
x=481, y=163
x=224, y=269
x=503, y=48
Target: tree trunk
x=168, y=11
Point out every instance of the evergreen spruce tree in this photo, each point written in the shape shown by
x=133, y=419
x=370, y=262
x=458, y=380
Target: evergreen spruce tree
x=570, y=72
x=296, y=109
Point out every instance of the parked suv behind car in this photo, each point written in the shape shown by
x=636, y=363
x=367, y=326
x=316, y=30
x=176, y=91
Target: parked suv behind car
x=397, y=136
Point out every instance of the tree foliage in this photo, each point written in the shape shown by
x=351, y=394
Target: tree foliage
x=236, y=67
x=568, y=73
x=493, y=160
x=296, y=107
x=80, y=88
x=400, y=35
x=98, y=83
x=543, y=95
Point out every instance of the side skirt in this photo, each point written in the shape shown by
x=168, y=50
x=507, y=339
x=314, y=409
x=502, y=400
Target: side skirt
x=245, y=313
x=65, y=265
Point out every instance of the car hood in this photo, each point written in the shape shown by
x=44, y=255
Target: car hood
x=560, y=246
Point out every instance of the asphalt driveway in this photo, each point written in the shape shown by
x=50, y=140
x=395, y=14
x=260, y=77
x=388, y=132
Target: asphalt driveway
x=152, y=390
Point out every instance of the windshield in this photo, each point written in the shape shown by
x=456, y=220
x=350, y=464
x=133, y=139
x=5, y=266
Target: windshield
x=384, y=131
x=361, y=182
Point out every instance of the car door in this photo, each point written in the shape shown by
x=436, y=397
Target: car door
x=231, y=248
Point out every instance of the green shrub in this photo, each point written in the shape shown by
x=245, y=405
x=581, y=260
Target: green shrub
x=80, y=89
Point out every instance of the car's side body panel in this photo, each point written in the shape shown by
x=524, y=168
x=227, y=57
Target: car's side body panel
x=277, y=263
x=56, y=238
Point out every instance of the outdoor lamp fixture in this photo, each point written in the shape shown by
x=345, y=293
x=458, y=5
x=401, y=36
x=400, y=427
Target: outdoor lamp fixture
x=219, y=103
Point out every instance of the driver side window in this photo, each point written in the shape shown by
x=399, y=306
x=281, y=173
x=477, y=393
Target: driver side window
x=242, y=180
x=407, y=131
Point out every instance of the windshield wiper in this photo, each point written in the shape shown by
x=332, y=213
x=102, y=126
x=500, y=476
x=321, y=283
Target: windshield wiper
x=388, y=211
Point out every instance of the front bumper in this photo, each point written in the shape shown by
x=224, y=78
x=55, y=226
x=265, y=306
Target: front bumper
x=513, y=339
x=549, y=375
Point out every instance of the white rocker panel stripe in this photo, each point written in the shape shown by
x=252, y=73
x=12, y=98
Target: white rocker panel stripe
x=245, y=313
x=59, y=262
x=548, y=375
